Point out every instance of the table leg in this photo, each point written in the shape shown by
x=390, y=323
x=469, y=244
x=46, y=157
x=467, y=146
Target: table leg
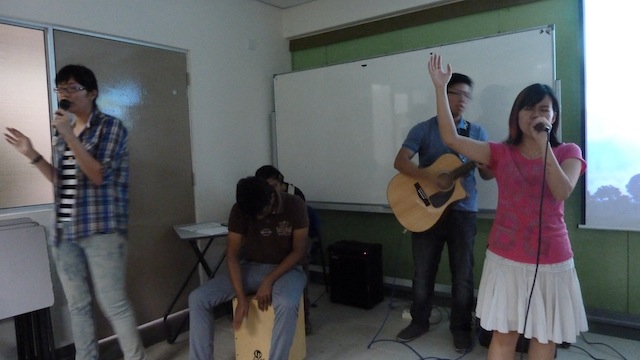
x=34, y=336
x=172, y=336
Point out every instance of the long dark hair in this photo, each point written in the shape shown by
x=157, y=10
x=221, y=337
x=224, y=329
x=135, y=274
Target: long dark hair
x=529, y=97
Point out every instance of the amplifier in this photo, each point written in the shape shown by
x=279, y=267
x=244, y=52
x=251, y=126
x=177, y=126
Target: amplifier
x=355, y=273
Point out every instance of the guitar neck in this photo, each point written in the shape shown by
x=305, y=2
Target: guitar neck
x=462, y=169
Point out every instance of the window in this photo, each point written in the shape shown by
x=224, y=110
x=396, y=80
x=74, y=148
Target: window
x=612, y=126
x=24, y=100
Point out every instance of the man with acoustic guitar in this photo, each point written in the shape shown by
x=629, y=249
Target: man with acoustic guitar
x=456, y=226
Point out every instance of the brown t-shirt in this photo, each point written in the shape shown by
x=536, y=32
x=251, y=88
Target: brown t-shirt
x=270, y=239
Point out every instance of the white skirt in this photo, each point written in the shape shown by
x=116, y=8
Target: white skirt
x=556, y=313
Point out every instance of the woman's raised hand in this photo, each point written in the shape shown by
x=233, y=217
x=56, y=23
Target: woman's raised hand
x=439, y=76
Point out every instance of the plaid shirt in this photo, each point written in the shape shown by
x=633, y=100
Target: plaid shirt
x=104, y=208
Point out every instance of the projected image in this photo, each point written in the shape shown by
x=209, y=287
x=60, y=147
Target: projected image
x=613, y=132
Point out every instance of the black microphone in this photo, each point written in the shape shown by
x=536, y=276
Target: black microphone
x=540, y=127
x=64, y=104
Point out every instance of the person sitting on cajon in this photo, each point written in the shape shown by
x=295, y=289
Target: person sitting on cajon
x=269, y=228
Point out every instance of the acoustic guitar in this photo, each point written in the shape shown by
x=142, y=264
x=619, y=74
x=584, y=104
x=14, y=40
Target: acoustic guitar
x=419, y=204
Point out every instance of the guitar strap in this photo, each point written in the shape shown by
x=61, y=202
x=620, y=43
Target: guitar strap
x=463, y=131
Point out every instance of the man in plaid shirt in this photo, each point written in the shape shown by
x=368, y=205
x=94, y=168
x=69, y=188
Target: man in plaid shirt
x=90, y=171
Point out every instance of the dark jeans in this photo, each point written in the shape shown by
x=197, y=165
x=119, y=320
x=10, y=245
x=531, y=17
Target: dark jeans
x=457, y=229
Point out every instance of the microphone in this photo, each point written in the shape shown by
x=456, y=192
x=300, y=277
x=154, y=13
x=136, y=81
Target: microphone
x=539, y=127
x=64, y=104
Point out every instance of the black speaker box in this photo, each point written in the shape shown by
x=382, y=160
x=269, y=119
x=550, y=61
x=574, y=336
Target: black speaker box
x=355, y=273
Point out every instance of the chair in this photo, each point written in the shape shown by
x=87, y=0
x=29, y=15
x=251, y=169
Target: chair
x=316, y=241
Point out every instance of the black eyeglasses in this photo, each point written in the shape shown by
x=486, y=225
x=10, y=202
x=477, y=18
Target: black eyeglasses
x=69, y=89
x=461, y=95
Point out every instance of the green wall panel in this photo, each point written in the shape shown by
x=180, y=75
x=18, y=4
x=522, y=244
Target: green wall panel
x=309, y=58
x=451, y=31
x=364, y=48
x=634, y=273
x=601, y=262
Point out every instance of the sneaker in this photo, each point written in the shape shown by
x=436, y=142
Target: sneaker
x=411, y=332
x=436, y=316
x=462, y=343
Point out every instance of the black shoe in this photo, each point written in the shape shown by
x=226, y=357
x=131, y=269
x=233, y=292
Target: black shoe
x=462, y=343
x=411, y=332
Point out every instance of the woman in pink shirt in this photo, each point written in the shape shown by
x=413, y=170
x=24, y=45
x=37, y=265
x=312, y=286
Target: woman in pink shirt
x=529, y=283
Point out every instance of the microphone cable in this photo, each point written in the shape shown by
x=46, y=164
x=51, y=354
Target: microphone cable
x=597, y=343
x=535, y=274
x=392, y=306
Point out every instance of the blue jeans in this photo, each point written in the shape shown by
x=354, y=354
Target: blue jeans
x=457, y=229
x=286, y=293
x=100, y=260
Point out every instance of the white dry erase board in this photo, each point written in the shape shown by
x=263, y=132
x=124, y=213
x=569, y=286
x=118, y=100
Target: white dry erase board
x=338, y=128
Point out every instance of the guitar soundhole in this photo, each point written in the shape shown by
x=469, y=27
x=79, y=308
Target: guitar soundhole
x=444, y=181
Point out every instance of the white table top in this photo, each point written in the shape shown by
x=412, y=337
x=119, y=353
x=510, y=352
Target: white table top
x=200, y=230
x=25, y=274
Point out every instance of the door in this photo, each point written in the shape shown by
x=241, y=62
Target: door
x=146, y=87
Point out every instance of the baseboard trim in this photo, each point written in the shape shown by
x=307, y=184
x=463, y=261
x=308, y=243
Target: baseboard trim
x=614, y=323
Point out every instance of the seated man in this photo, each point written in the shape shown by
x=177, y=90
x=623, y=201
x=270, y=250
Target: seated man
x=270, y=229
x=275, y=178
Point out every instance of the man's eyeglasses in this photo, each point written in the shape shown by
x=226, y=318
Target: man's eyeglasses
x=69, y=89
x=461, y=95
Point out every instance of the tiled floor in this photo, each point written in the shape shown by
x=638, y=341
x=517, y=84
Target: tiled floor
x=344, y=332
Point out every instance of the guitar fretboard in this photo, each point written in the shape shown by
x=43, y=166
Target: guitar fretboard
x=462, y=169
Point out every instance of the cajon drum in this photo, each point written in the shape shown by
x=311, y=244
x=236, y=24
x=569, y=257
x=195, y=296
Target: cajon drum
x=253, y=339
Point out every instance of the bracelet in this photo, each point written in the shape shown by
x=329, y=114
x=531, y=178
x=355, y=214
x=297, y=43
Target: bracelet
x=36, y=159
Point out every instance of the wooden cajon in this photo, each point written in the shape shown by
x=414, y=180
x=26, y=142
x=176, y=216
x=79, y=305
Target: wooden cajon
x=253, y=339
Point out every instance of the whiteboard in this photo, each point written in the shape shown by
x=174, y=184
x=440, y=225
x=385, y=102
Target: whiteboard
x=338, y=128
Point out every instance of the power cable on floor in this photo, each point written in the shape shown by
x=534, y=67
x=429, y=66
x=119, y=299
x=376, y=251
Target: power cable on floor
x=392, y=306
x=597, y=343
